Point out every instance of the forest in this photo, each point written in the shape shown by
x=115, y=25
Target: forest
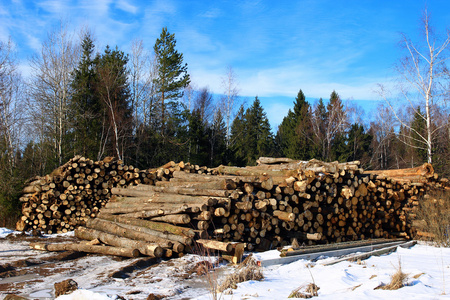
x=142, y=108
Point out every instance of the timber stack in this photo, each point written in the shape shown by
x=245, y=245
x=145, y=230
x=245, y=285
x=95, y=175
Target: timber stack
x=182, y=208
x=74, y=192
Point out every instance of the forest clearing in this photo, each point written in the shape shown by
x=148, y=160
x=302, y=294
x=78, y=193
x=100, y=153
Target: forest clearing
x=270, y=150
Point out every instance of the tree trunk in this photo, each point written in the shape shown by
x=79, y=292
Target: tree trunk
x=104, y=250
x=116, y=229
x=144, y=248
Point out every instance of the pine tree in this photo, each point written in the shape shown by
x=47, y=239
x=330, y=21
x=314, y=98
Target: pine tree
x=295, y=131
x=357, y=145
x=320, y=121
x=113, y=89
x=418, y=132
x=172, y=76
x=238, y=138
x=259, y=140
x=337, y=124
x=217, y=140
x=199, y=152
x=86, y=106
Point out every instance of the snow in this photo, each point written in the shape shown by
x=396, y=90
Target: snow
x=353, y=280
x=5, y=231
x=83, y=295
x=428, y=270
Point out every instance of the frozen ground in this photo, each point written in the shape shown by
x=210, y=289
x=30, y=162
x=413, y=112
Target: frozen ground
x=33, y=273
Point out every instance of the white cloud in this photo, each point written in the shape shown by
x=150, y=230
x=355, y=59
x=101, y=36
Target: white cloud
x=125, y=6
x=211, y=13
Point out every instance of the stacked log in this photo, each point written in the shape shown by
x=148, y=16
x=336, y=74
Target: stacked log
x=270, y=205
x=66, y=198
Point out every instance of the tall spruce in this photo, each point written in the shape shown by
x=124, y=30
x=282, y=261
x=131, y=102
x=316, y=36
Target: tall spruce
x=358, y=143
x=113, y=89
x=319, y=122
x=172, y=76
x=295, y=132
x=418, y=132
x=336, y=126
x=217, y=139
x=86, y=106
x=238, y=138
x=257, y=139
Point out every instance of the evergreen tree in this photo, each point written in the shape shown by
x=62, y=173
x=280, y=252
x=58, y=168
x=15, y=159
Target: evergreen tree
x=217, y=140
x=320, y=121
x=357, y=145
x=238, y=138
x=418, y=132
x=336, y=127
x=86, y=106
x=258, y=137
x=199, y=146
x=172, y=76
x=295, y=131
x=113, y=90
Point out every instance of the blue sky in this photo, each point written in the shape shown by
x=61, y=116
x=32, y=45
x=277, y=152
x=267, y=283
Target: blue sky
x=274, y=47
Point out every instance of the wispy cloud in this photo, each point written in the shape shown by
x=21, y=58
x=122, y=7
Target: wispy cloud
x=126, y=6
x=275, y=48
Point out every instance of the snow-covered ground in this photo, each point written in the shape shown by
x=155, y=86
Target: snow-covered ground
x=428, y=270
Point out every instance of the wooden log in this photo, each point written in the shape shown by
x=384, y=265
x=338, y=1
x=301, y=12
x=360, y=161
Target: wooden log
x=305, y=236
x=235, y=256
x=30, y=189
x=229, y=170
x=80, y=247
x=212, y=182
x=283, y=215
x=162, y=227
x=144, y=248
x=117, y=229
x=168, y=198
x=216, y=245
x=174, y=219
x=198, y=191
x=426, y=170
x=163, y=235
x=273, y=160
x=155, y=209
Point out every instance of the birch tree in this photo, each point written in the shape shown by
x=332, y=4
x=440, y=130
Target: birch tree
x=231, y=94
x=423, y=82
x=11, y=125
x=51, y=87
x=142, y=73
x=11, y=108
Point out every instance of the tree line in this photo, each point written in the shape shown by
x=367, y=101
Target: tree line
x=143, y=108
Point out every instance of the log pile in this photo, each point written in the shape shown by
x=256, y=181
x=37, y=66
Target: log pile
x=66, y=198
x=182, y=207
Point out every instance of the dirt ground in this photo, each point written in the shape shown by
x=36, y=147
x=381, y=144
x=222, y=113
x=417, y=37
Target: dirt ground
x=33, y=273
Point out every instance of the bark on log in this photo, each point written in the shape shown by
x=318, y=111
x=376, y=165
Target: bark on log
x=174, y=219
x=168, y=198
x=253, y=172
x=183, y=190
x=426, y=170
x=144, y=248
x=116, y=229
x=162, y=227
x=216, y=245
x=273, y=160
x=163, y=235
x=80, y=247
